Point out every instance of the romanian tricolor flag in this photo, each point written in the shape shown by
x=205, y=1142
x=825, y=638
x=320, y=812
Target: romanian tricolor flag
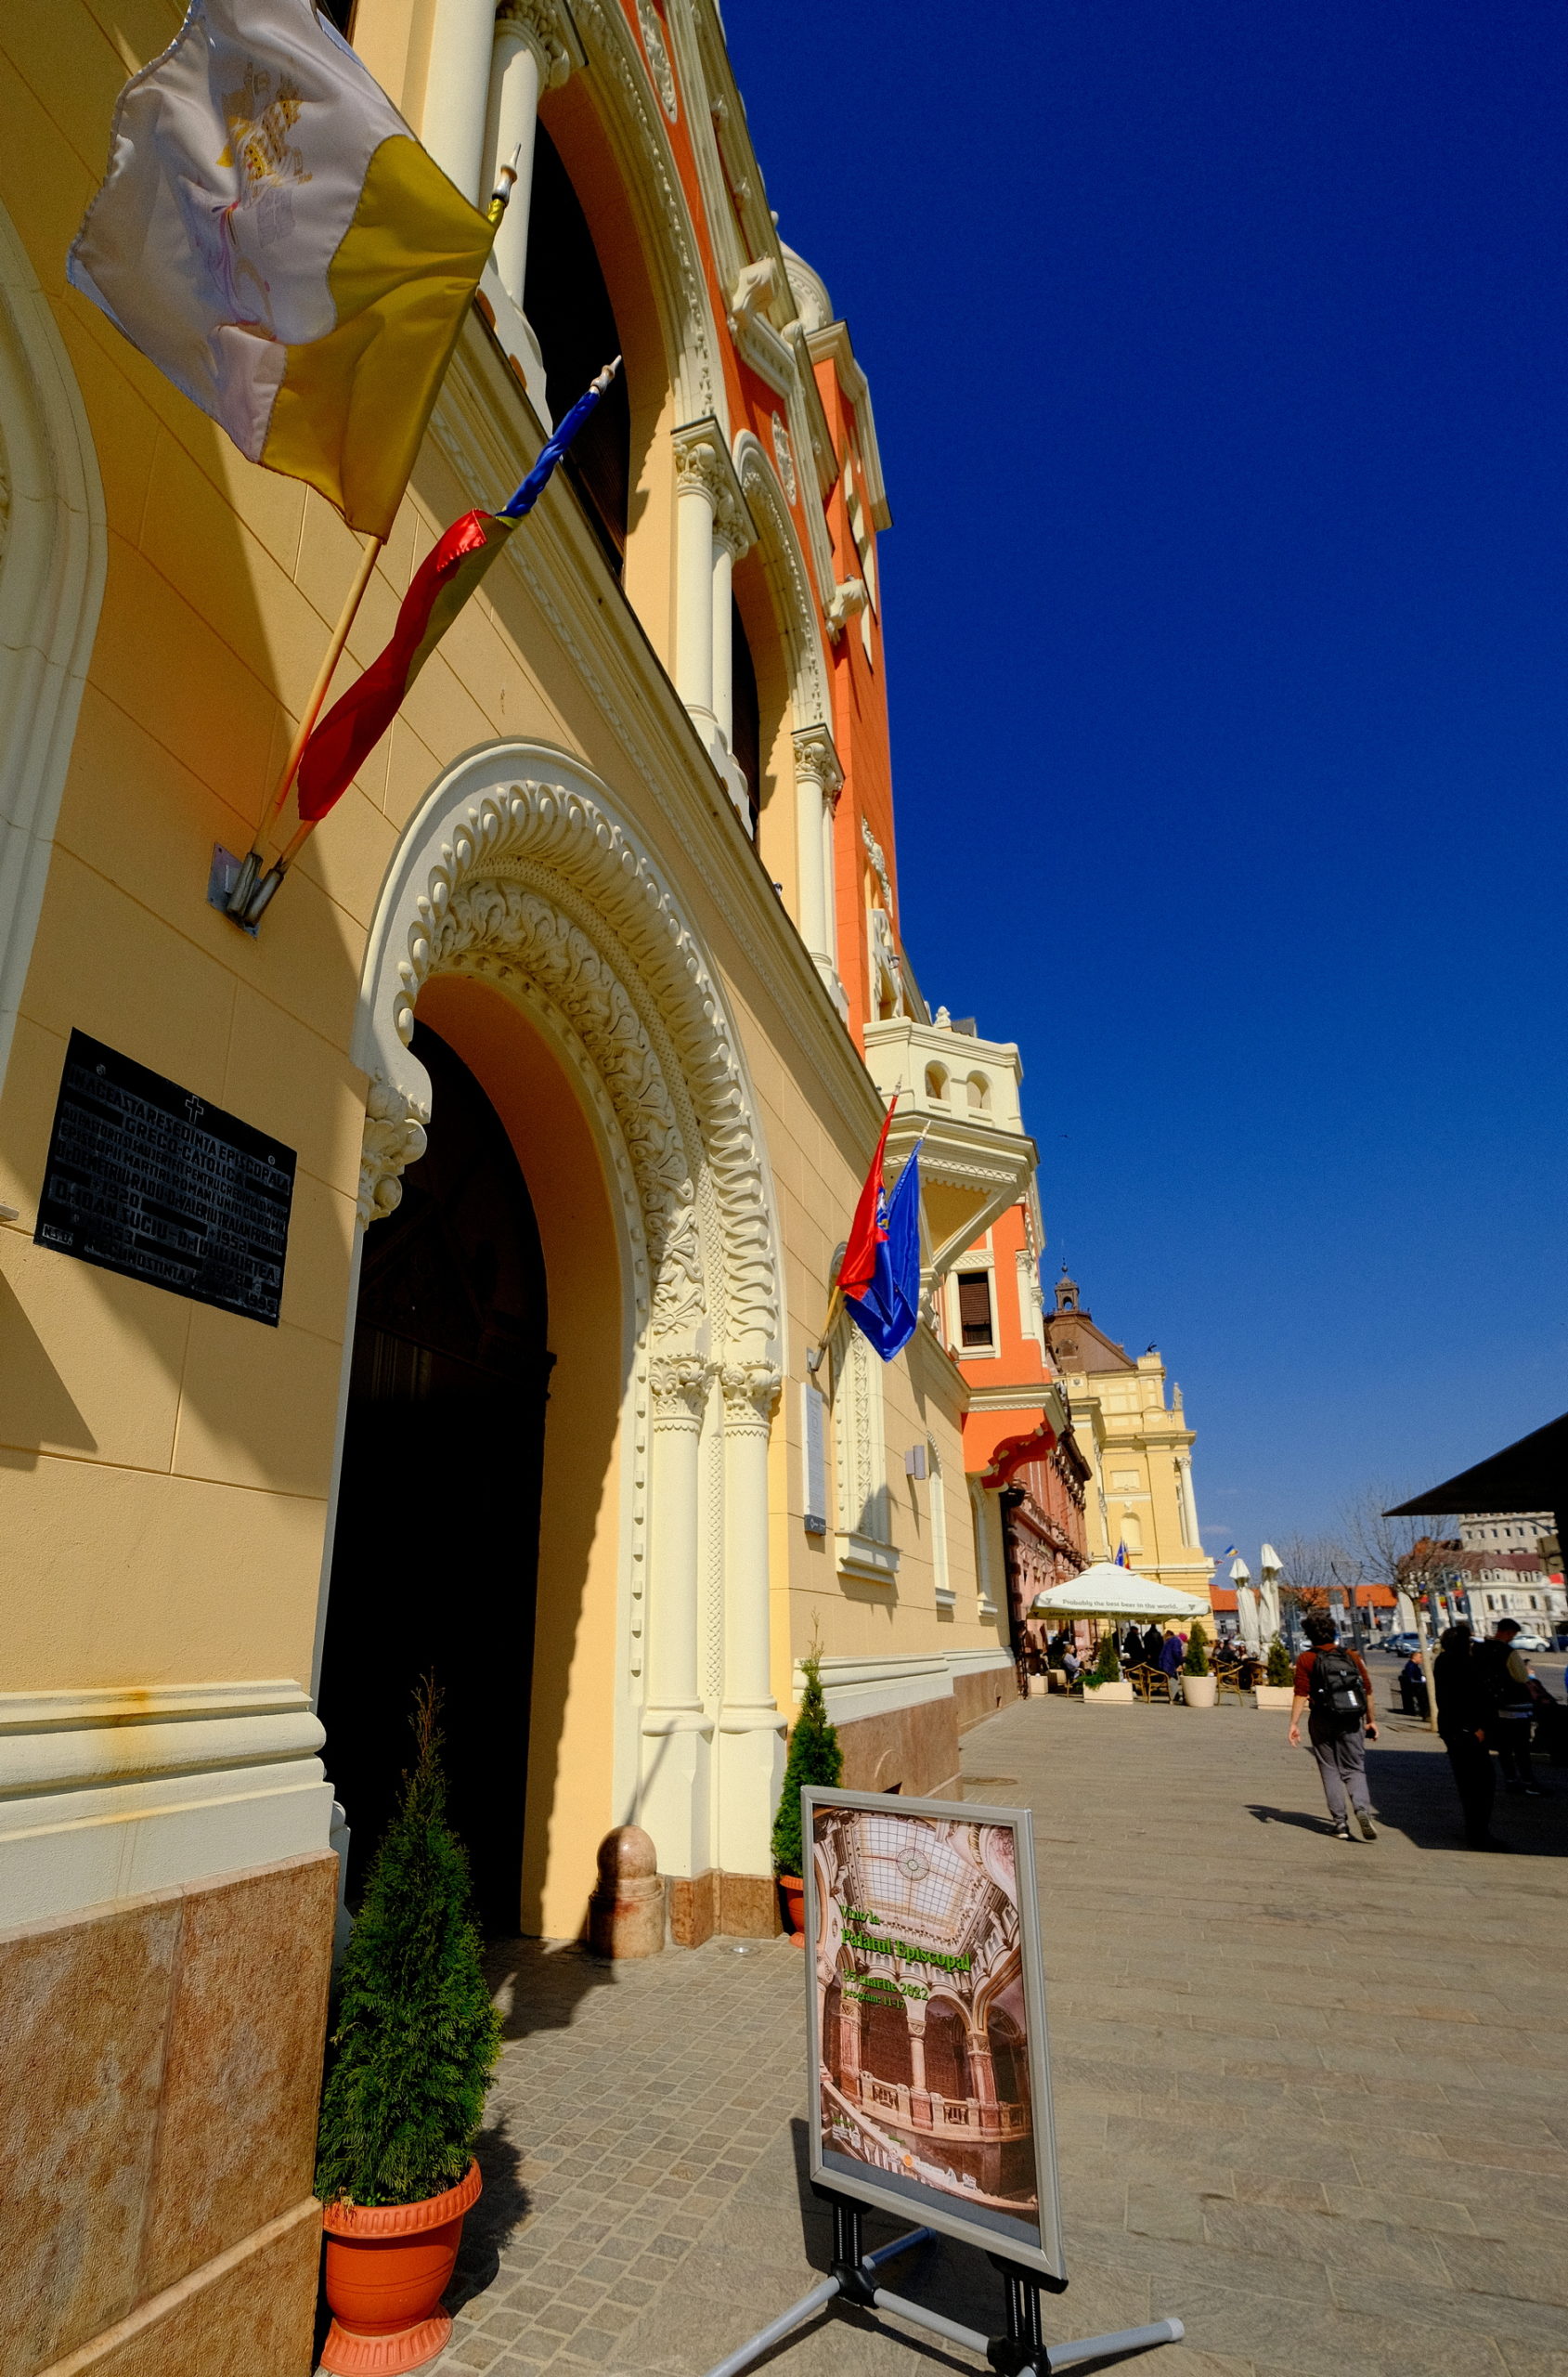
x=272, y=236
x=441, y=584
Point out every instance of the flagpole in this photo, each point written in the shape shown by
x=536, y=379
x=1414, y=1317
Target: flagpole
x=243, y=900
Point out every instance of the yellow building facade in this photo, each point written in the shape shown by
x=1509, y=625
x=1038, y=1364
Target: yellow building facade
x=1140, y=1497
x=561, y=1026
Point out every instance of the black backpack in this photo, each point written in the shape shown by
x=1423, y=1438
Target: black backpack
x=1337, y=1692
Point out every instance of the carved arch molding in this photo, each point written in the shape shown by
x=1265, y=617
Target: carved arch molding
x=52, y=553
x=517, y=870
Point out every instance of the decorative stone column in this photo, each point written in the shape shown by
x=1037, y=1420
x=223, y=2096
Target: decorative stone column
x=712, y=528
x=817, y=778
x=530, y=56
x=457, y=91
x=919, y=2096
x=676, y=1734
x=750, y=1725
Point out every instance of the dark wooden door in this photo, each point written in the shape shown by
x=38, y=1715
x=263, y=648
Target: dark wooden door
x=435, y=1555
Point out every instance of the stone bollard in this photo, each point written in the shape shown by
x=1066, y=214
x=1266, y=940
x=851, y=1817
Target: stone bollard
x=626, y=1913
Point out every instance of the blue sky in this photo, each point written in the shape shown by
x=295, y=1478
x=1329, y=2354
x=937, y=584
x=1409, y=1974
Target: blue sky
x=1219, y=356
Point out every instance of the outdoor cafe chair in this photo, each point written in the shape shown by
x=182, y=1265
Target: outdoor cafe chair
x=1157, y=1684
x=1226, y=1679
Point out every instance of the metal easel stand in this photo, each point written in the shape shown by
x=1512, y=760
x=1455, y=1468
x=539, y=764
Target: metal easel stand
x=1022, y=2352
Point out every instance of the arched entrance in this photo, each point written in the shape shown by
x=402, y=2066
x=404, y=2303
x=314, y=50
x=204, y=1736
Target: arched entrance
x=449, y=1378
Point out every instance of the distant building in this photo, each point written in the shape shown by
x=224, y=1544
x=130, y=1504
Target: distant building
x=1513, y=1569
x=1028, y=1478
x=1140, y=1498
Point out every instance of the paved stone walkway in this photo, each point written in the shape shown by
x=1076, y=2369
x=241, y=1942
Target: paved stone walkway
x=1310, y=2097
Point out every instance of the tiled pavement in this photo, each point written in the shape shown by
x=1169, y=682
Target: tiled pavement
x=1310, y=2097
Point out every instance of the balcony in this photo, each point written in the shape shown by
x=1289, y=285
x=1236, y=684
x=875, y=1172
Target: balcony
x=962, y=1092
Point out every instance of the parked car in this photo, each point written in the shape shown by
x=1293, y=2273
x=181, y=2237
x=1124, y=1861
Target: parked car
x=1530, y=1643
x=1403, y=1646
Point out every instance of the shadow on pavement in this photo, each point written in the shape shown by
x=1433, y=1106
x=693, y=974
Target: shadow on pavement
x=501, y=2208
x=539, y=1984
x=1413, y=1792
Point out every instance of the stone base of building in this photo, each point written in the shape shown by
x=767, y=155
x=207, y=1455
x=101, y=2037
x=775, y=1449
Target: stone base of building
x=981, y=1695
x=158, y=2109
x=736, y=1906
x=248, y=2313
x=914, y=1749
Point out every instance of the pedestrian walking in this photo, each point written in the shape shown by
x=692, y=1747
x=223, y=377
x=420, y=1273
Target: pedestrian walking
x=1506, y=1684
x=1334, y=1690
x=1461, y=1723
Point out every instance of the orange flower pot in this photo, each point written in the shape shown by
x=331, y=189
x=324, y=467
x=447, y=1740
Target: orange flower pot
x=387, y=2267
x=792, y=1899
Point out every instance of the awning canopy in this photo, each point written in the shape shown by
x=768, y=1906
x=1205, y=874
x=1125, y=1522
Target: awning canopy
x=1105, y=1590
x=1529, y=1475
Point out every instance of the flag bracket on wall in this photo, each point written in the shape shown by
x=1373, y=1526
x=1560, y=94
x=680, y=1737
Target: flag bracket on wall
x=222, y=878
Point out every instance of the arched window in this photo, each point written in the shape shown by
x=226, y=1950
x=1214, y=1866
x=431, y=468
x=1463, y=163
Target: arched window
x=979, y=1093
x=947, y=2052
x=935, y=1083
x=746, y=715
x=568, y=305
x=1009, y=2059
x=885, y=2041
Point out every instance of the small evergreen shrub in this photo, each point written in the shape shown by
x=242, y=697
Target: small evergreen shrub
x=416, y=2037
x=1280, y=1669
x=814, y=1757
x=1197, y=1659
x=1107, y=1664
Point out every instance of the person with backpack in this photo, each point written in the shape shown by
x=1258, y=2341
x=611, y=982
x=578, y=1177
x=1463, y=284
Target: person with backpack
x=1335, y=1691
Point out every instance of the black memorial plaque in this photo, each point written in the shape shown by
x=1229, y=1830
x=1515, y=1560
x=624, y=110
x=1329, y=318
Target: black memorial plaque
x=149, y=1180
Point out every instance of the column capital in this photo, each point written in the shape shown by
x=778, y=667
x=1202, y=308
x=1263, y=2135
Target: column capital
x=751, y=1392
x=545, y=26
x=702, y=460
x=679, y=1383
x=817, y=759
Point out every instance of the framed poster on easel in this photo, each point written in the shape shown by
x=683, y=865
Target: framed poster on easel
x=928, y=2057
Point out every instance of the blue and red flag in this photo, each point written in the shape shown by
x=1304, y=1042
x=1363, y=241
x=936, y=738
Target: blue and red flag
x=886, y=1311
x=441, y=585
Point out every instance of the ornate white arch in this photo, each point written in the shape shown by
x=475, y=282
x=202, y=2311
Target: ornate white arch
x=818, y=774
x=789, y=583
x=518, y=869
x=640, y=139
x=53, y=548
x=519, y=854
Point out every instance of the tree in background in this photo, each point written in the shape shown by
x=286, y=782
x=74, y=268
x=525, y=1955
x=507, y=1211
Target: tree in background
x=1312, y=1562
x=1413, y=1559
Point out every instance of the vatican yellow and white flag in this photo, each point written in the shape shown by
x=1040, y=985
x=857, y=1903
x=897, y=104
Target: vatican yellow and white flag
x=271, y=235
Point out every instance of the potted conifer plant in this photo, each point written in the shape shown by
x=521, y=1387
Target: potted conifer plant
x=814, y=1757
x=1278, y=1691
x=1104, y=1683
x=408, y=2060
x=1199, y=1688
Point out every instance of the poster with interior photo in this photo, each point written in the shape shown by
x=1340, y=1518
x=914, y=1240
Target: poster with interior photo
x=930, y=2077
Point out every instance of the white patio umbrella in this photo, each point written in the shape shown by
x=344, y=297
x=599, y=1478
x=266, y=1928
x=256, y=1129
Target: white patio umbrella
x=1106, y=1591
x=1271, y=1568
x=1246, y=1604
